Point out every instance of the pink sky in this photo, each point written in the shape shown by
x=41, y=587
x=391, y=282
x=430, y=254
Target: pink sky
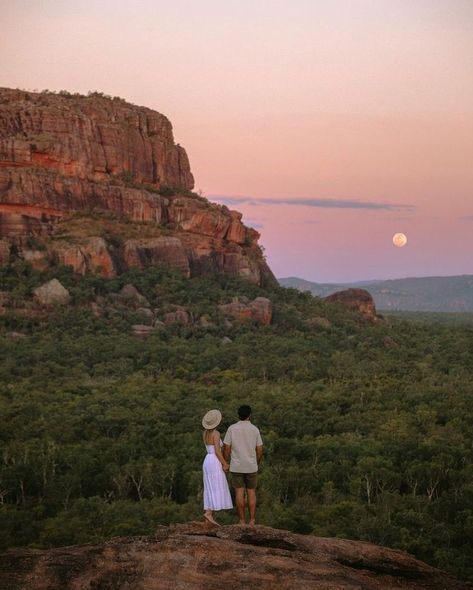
x=330, y=124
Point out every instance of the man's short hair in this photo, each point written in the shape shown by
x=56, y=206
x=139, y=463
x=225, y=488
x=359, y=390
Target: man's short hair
x=244, y=412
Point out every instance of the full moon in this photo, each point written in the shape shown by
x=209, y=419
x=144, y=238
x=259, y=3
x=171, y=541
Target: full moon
x=399, y=240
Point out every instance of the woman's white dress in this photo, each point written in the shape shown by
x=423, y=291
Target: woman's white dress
x=216, y=492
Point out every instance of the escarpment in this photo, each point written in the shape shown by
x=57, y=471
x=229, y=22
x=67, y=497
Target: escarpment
x=99, y=184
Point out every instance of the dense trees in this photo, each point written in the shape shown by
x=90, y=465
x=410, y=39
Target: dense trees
x=368, y=429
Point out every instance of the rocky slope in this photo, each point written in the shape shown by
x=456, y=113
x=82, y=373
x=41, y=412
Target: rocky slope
x=195, y=556
x=99, y=184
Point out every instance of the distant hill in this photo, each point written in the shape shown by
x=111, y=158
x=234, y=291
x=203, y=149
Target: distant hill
x=444, y=294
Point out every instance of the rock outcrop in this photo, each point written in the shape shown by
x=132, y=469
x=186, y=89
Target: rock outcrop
x=192, y=557
x=52, y=293
x=260, y=310
x=130, y=294
x=358, y=300
x=90, y=138
x=65, y=155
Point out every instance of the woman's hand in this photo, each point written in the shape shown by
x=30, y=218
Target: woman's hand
x=225, y=467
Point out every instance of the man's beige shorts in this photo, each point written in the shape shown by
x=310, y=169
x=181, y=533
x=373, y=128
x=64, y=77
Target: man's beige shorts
x=244, y=480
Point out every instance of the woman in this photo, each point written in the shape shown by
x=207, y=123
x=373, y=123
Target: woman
x=216, y=492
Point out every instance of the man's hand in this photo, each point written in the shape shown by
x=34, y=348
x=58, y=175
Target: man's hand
x=259, y=453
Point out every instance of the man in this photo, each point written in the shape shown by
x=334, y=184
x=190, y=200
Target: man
x=244, y=445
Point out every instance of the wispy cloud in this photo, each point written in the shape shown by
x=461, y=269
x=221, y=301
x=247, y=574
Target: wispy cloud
x=465, y=218
x=254, y=224
x=305, y=222
x=311, y=202
x=395, y=218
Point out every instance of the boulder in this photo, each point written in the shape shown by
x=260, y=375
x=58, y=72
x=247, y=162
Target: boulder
x=358, y=300
x=130, y=294
x=237, y=309
x=142, y=330
x=179, y=316
x=259, y=310
x=52, y=293
x=16, y=335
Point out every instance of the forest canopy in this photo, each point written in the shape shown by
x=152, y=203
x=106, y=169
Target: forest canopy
x=368, y=429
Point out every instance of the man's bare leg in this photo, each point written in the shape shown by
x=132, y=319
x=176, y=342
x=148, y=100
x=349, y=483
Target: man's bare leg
x=252, y=505
x=240, y=504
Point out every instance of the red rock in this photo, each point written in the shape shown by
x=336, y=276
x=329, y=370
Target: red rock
x=65, y=154
x=259, y=310
x=71, y=255
x=4, y=252
x=198, y=556
x=92, y=255
x=154, y=251
x=357, y=299
x=237, y=231
x=99, y=260
x=90, y=138
x=236, y=309
x=207, y=222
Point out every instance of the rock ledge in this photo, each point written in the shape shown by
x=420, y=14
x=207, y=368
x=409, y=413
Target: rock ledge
x=196, y=556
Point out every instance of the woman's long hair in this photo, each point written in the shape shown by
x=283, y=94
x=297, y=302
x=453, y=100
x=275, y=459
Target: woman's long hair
x=206, y=435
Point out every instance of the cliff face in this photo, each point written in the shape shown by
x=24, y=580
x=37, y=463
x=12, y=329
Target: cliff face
x=192, y=557
x=90, y=138
x=67, y=156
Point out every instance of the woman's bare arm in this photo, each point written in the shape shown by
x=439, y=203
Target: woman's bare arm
x=218, y=451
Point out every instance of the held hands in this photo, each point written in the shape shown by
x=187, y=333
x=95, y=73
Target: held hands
x=225, y=467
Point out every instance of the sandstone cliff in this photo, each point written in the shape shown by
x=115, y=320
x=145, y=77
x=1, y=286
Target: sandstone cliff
x=99, y=184
x=195, y=556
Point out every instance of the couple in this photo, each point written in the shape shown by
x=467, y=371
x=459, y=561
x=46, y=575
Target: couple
x=244, y=446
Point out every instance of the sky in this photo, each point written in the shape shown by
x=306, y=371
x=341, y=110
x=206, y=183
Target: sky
x=330, y=124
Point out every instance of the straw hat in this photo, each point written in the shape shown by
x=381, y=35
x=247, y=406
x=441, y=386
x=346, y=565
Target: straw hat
x=212, y=419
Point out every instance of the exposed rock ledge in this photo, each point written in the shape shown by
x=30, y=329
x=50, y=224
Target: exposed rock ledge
x=195, y=556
